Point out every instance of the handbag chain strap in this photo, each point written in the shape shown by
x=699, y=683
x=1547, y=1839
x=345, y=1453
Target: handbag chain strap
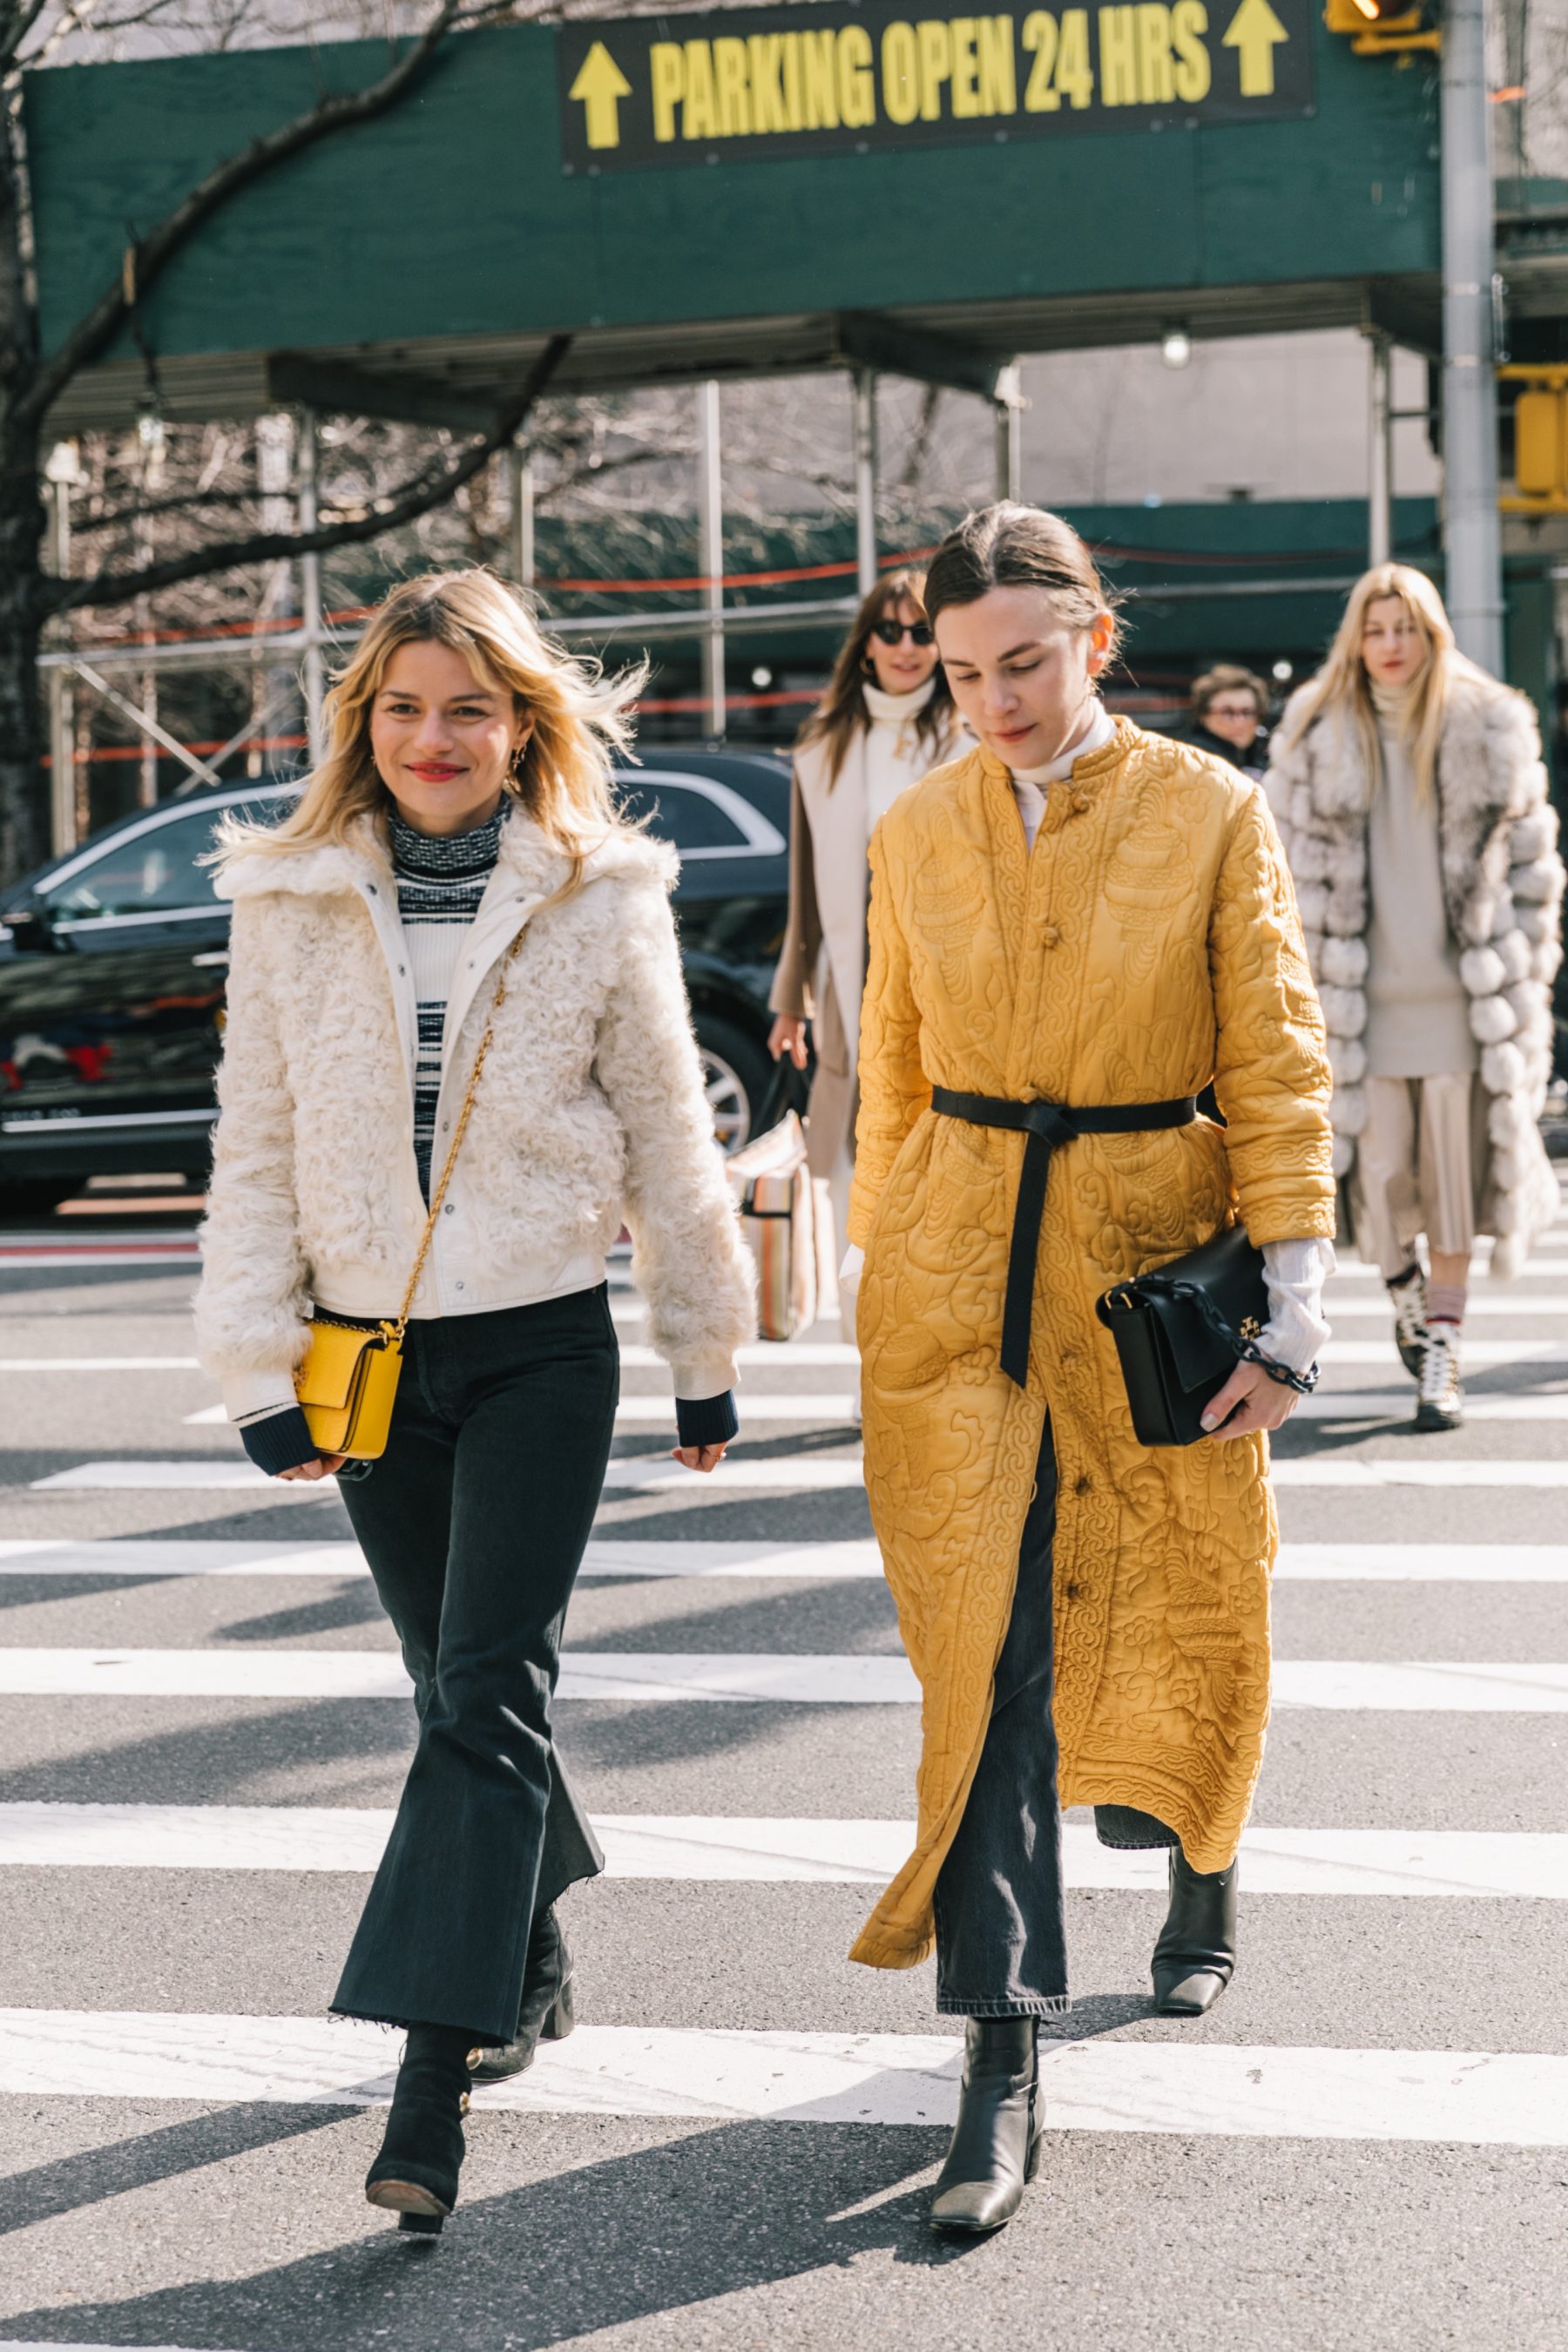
x=440, y=1194
x=1248, y=1349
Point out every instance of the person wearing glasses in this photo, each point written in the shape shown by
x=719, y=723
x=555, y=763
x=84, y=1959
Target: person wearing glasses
x=885, y=722
x=1229, y=706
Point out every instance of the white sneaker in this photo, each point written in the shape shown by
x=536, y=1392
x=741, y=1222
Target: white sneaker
x=1408, y=1300
x=1441, y=1401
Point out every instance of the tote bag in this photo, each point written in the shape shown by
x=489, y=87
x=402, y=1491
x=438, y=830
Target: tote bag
x=781, y=1215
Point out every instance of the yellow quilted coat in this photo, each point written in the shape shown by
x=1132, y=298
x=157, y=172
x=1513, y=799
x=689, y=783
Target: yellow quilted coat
x=1148, y=944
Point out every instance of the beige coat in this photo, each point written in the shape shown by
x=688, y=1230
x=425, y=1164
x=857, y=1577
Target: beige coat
x=821, y=971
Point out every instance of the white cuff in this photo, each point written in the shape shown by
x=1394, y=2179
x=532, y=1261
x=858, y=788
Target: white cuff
x=697, y=1378
x=252, y=1396
x=849, y=1273
x=1297, y=1329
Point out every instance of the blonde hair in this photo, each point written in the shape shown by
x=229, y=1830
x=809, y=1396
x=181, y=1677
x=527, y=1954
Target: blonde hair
x=1342, y=683
x=563, y=775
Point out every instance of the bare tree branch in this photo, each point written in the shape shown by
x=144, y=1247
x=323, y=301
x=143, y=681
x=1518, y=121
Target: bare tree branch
x=145, y=261
x=416, y=498
x=145, y=512
x=16, y=31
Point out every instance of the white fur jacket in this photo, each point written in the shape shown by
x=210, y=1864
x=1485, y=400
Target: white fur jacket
x=591, y=1107
x=1502, y=885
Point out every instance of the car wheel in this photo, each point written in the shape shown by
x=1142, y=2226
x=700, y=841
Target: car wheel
x=735, y=1072
x=37, y=1196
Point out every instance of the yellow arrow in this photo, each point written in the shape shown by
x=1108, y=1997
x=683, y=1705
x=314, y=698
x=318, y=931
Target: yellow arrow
x=601, y=85
x=1257, y=32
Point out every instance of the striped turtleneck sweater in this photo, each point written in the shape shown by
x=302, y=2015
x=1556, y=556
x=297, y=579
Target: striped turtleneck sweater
x=440, y=882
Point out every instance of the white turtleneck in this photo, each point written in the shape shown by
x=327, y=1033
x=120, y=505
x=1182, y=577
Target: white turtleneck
x=1030, y=784
x=891, y=747
x=1295, y=1271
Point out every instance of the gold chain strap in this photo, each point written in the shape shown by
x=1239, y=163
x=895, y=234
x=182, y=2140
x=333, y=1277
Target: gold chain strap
x=497, y=1000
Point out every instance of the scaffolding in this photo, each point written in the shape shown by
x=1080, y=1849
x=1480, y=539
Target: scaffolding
x=288, y=646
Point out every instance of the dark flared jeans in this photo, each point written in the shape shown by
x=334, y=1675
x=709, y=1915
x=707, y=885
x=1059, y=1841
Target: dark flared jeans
x=474, y=1522
x=1001, y=1927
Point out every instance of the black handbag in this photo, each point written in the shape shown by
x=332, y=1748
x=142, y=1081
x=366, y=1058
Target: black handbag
x=1181, y=1332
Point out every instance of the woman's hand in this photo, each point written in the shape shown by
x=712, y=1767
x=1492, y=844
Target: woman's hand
x=697, y=1458
x=1263, y=1404
x=323, y=1467
x=787, y=1036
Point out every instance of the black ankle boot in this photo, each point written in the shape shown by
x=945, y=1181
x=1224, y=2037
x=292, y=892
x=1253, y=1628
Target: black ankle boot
x=545, y=2012
x=416, y=2174
x=996, y=2144
x=1196, y=1955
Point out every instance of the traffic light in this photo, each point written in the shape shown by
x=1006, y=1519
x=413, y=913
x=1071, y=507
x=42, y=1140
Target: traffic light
x=1540, y=440
x=1381, y=28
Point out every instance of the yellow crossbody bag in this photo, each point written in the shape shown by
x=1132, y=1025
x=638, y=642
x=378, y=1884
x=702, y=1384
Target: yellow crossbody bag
x=347, y=1384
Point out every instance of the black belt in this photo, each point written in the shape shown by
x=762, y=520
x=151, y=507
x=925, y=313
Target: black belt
x=1046, y=1124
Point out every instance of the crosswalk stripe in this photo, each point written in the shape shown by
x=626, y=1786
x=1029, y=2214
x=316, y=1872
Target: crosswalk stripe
x=1423, y=1563
x=856, y=1558
x=726, y=1677
x=1211, y=2089
x=1317, y=1470
x=792, y=1474
x=1399, y=1404
x=1531, y=1866
x=806, y=1404
x=1482, y=1302
x=1359, y=1353
x=1358, y=1270
x=99, y=1364
x=639, y=1473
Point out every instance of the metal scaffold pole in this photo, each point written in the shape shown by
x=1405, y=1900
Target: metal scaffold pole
x=1472, y=538
x=524, y=557
x=313, y=667
x=865, y=398
x=1380, y=450
x=710, y=529
x=1009, y=404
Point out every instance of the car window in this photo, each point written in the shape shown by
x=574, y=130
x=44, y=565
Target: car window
x=680, y=814
x=149, y=873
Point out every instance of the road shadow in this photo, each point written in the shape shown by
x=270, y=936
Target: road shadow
x=707, y=2214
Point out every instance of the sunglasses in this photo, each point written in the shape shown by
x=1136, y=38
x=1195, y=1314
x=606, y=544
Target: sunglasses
x=893, y=632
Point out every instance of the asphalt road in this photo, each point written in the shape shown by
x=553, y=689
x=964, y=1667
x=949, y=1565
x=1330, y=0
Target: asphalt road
x=1365, y=2144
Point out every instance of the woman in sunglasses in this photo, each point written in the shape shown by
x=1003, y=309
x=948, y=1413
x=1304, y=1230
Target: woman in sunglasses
x=885, y=722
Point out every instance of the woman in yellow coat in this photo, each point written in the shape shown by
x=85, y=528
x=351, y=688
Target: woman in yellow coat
x=1081, y=914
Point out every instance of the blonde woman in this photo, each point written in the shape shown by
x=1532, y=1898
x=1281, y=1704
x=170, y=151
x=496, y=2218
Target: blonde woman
x=885, y=720
x=465, y=803
x=1412, y=802
x=1075, y=928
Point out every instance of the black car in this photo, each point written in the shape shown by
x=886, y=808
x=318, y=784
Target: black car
x=112, y=957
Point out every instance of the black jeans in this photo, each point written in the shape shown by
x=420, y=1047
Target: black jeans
x=1001, y=1927
x=474, y=1522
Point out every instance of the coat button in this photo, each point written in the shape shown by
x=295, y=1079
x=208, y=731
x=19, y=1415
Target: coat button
x=1084, y=1487
x=1081, y=804
x=1050, y=936
x=1073, y=1592
x=449, y=1207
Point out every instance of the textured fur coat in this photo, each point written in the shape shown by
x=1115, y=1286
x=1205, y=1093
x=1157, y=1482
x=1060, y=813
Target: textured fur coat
x=1503, y=886
x=591, y=1107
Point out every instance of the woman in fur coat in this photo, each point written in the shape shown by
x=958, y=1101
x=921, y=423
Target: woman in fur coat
x=885, y=719
x=1410, y=795
x=462, y=832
